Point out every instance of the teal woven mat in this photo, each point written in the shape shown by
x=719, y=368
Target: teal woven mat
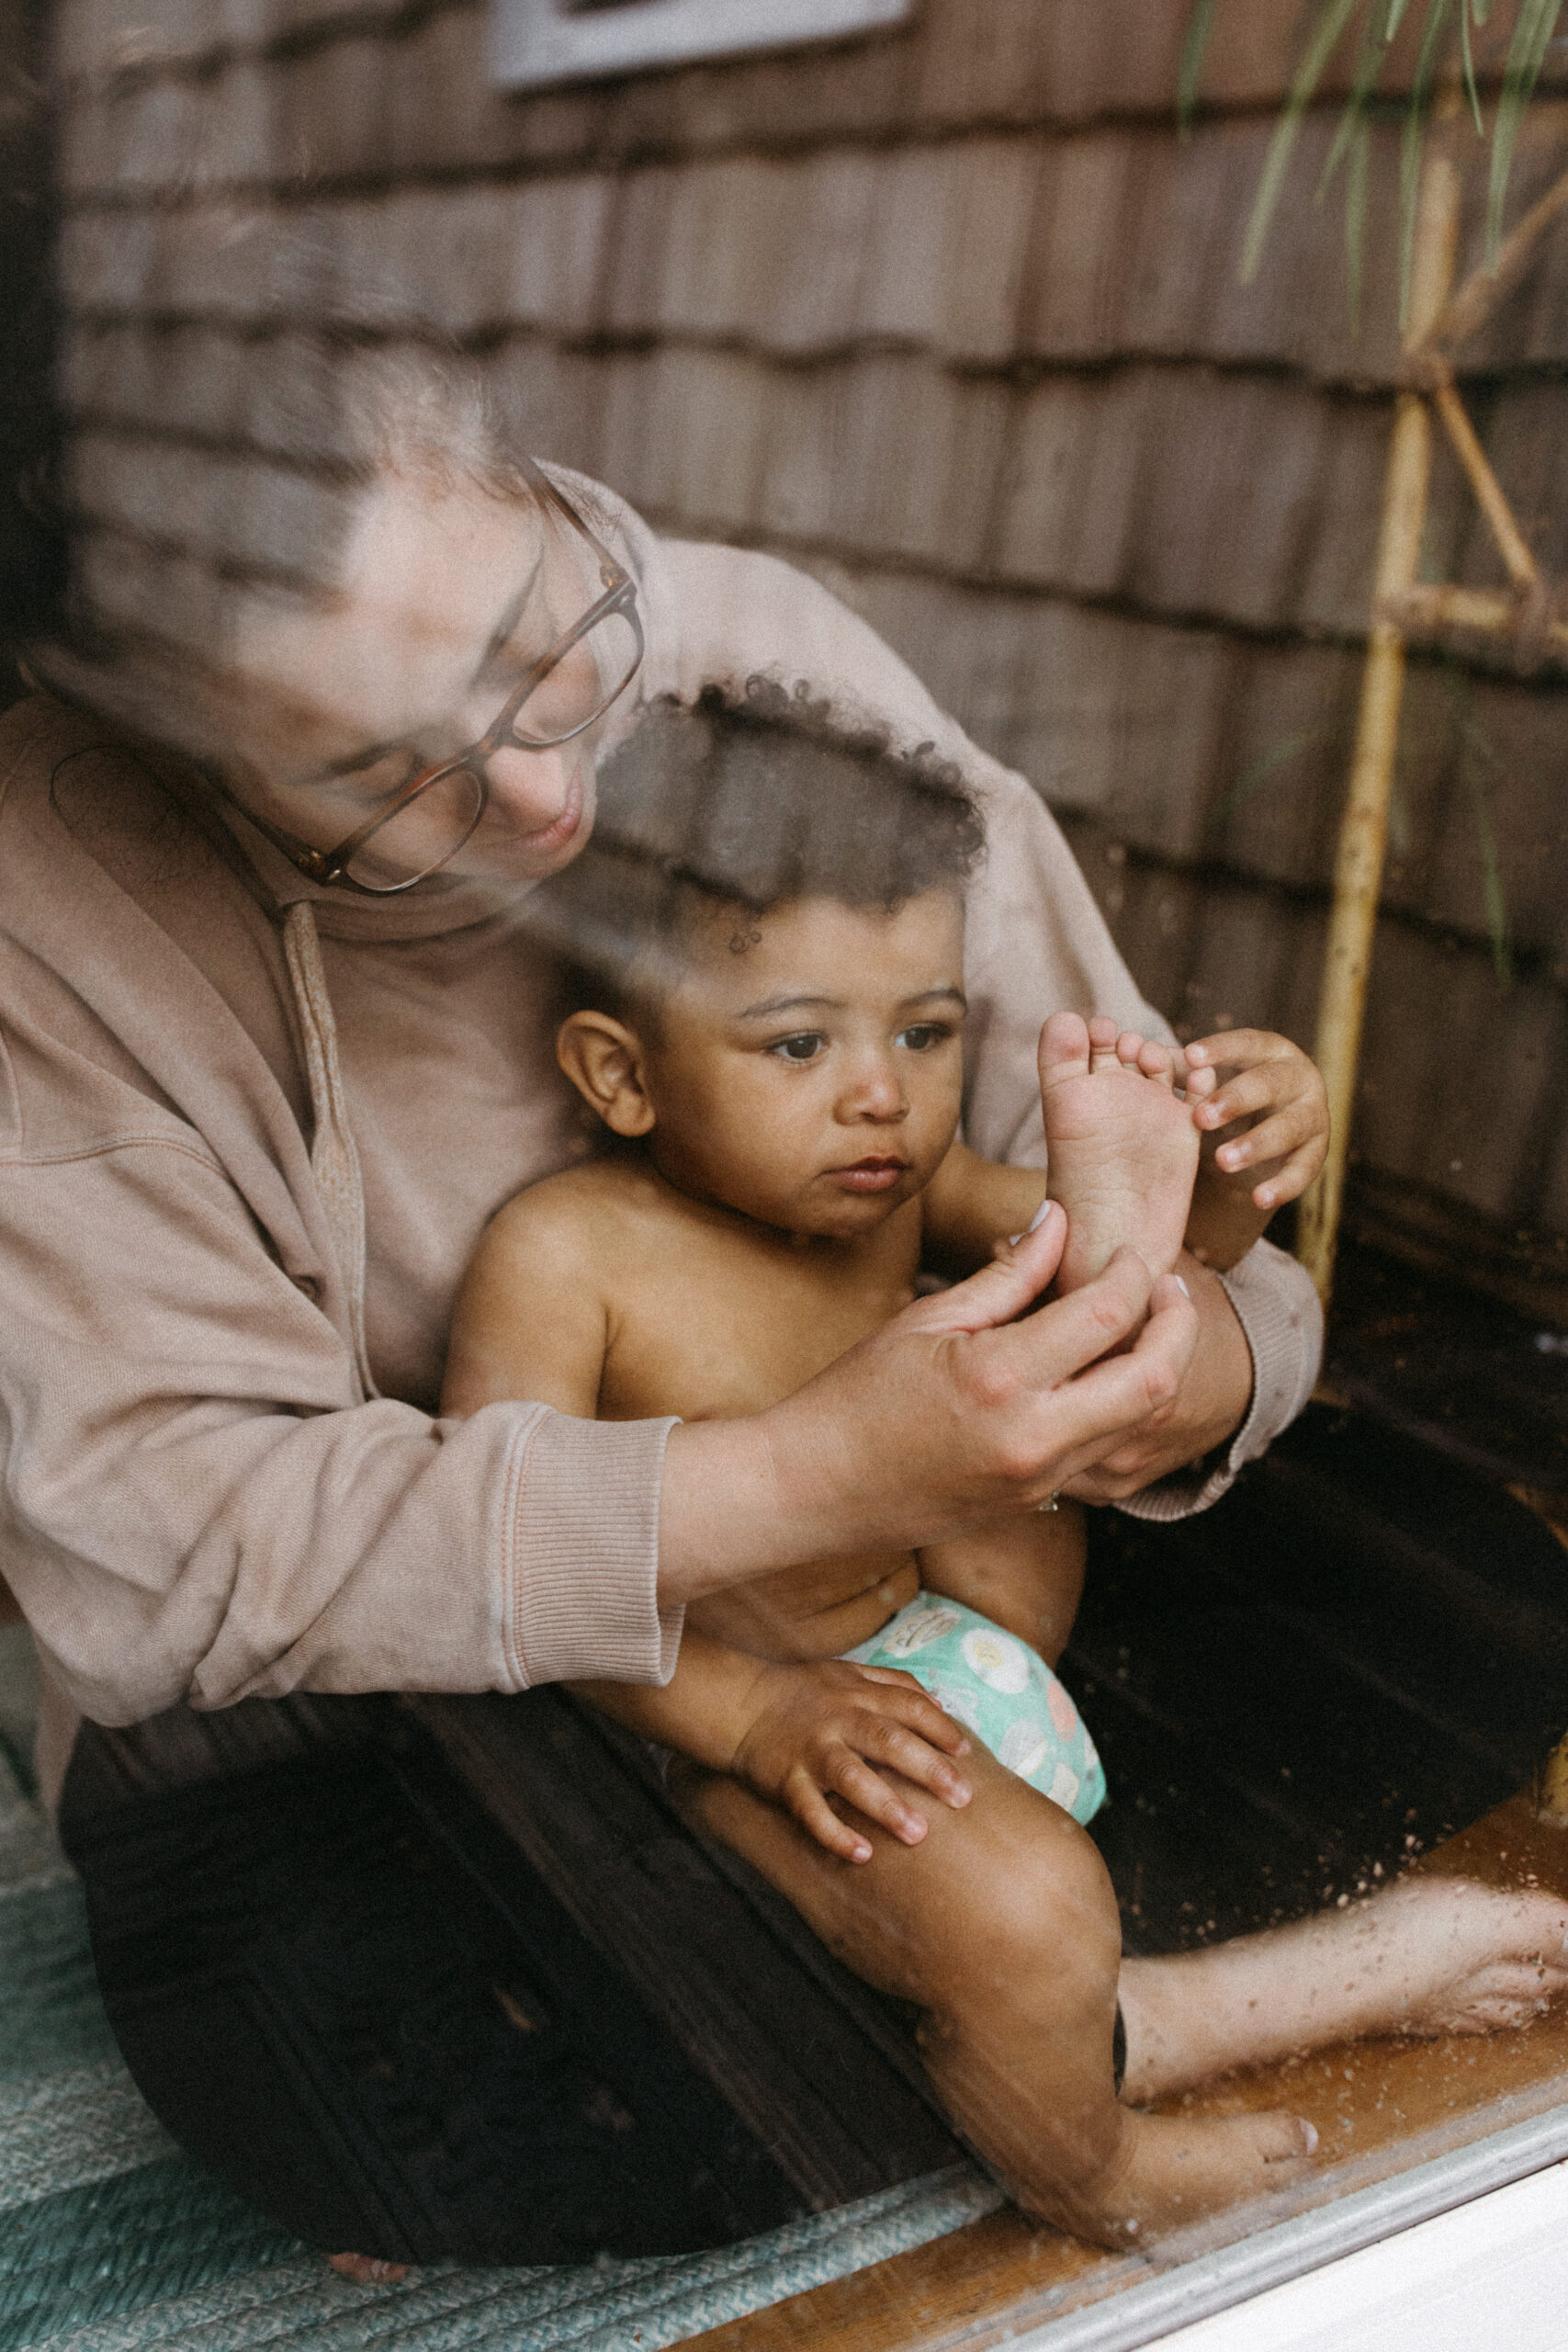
x=111, y=2240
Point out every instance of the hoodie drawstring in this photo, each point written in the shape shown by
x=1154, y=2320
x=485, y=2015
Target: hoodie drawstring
x=334, y=1158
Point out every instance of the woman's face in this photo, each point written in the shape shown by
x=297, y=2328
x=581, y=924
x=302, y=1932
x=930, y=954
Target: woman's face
x=449, y=594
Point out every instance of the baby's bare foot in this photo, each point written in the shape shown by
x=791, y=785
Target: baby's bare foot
x=365, y=2270
x=1173, y=2170
x=1122, y=1148
x=1429, y=1956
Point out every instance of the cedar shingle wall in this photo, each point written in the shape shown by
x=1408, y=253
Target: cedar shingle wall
x=949, y=315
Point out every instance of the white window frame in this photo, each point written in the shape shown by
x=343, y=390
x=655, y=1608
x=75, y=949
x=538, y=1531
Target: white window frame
x=535, y=43
x=1340, y=2303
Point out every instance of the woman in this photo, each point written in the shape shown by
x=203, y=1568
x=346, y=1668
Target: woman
x=276, y=1043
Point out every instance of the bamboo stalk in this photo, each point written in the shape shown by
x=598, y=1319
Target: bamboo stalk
x=1489, y=493
x=1482, y=290
x=1363, y=833
x=1426, y=609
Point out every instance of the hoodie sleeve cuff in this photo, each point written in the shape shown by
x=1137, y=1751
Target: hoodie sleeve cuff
x=582, y=1554
x=1279, y=1310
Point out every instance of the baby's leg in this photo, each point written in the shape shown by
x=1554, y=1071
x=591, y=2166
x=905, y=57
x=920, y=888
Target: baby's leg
x=1123, y=1146
x=1001, y=1926
x=1429, y=1956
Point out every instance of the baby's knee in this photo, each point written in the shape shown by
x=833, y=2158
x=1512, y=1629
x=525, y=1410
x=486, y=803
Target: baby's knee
x=1036, y=1921
x=1060, y=1900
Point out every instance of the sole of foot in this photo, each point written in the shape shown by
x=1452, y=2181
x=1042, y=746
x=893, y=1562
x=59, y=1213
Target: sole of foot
x=1427, y=1957
x=1446, y=1955
x=1123, y=1150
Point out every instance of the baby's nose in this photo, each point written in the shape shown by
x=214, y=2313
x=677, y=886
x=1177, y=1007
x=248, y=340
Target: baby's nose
x=875, y=1093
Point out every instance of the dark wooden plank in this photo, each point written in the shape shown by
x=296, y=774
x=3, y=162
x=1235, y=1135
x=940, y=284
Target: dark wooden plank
x=788, y=2039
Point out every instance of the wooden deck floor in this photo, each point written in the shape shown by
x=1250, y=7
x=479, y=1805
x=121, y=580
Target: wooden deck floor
x=1379, y=2108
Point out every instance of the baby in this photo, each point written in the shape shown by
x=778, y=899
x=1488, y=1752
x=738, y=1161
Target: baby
x=768, y=936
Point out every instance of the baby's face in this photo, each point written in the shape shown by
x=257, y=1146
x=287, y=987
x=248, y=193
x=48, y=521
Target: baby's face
x=813, y=1079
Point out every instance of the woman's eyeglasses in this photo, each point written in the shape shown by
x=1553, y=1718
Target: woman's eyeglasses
x=428, y=815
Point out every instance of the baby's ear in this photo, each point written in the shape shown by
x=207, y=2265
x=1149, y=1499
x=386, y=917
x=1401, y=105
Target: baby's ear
x=604, y=1060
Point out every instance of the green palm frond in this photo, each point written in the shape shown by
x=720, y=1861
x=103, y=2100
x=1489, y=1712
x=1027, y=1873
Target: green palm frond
x=1328, y=33
x=1193, y=49
x=1484, y=765
x=1446, y=25
x=1257, y=772
x=1499, y=930
x=1356, y=219
x=1533, y=29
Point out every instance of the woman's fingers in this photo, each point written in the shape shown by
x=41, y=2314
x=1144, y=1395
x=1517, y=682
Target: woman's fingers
x=1062, y=1388
x=1013, y=1281
x=941, y=1416
x=1088, y=1418
x=1044, y=1351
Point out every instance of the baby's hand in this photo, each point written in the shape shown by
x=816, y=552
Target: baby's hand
x=822, y=1729
x=1269, y=1079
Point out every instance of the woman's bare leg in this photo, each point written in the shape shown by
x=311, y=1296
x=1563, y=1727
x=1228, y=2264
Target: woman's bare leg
x=1432, y=1955
x=1002, y=1926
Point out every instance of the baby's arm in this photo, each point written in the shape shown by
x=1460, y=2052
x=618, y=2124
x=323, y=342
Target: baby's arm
x=533, y=1315
x=971, y=1203
x=533, y=1320
x=1271, y=1097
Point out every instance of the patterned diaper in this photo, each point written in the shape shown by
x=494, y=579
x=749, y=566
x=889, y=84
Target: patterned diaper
x=1000, y=1689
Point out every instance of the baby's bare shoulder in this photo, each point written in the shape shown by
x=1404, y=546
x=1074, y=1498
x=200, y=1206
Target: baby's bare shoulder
x=587, y=1208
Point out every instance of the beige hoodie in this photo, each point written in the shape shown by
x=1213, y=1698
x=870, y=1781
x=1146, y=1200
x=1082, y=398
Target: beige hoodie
x=249, y=1134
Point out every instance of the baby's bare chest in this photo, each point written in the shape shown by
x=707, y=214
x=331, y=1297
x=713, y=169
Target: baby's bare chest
x=715, y=1325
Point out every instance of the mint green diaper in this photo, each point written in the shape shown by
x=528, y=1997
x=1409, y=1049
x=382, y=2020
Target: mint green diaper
x=1000, y=1689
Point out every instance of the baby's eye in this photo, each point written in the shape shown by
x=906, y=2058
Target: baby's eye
x=803, y=1048
x=923, y=1035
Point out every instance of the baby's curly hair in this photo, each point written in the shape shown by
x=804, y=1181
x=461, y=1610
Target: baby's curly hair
x=741, y=805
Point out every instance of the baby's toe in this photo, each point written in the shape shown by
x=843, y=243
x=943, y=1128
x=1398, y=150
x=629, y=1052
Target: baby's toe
x=365, y=2270
x=1103, y=1043
x=1063, y=1049
x=1285, y=2139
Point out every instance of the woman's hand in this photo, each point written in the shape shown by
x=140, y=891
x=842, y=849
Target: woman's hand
x=832, y=1729
x=1209, y=1404
x=962, y=1405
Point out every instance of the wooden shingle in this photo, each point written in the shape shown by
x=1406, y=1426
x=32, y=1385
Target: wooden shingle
x=951, y=315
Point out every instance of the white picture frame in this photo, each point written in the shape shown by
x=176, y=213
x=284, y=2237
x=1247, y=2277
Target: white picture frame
x=535, y=43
